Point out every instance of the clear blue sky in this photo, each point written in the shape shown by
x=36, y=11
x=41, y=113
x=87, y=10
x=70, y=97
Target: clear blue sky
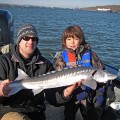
x=63, y=3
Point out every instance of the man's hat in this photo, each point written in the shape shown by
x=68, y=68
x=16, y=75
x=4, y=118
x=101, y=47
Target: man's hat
x=26, y=30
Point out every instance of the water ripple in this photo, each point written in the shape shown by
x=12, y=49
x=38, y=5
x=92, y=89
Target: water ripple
x=102, y=29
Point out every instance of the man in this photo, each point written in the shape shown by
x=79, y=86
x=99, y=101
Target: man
x=25, y=55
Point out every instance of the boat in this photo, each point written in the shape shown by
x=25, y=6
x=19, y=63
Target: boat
x=6, y=28
x=104, y=9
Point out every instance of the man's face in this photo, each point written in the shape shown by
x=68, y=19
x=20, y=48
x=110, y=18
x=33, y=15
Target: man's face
x=27, y=46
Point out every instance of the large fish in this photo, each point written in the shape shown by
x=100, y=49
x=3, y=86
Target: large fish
x=61, y=78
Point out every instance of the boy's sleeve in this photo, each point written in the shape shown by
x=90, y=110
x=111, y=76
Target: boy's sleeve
x=96, y=62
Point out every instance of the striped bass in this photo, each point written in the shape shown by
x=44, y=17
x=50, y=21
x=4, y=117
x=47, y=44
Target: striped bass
x=60, y=78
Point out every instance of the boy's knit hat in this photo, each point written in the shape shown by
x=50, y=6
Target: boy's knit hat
x=26, y=30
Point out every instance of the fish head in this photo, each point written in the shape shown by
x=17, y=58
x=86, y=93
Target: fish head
x=102, y=76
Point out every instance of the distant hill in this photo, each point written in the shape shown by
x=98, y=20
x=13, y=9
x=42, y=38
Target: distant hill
x=114, y=8
x=14, y=5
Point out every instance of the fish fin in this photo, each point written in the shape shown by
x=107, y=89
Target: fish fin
x=14, y=90
x=36, y=91
x=83, y=86
x=21, y=74
x=90, y=83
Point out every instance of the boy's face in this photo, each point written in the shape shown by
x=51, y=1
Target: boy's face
x=72, y=43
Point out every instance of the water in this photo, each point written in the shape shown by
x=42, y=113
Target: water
x=101, y=29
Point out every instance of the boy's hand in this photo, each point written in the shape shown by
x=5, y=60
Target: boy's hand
x=68, y=91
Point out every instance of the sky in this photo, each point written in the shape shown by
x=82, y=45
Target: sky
x=63, y=3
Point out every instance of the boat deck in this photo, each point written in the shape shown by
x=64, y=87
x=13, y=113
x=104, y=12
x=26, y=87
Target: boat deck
x=56, y=113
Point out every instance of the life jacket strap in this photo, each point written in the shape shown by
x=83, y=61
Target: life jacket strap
x=85, y=61
x=71, y=64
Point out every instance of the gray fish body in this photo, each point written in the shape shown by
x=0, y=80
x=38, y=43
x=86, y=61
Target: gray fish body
x=61, y=78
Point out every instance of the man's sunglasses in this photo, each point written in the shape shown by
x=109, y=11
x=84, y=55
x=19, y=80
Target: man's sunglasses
x=27, y=38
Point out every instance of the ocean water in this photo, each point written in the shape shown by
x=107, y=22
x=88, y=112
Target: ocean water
x=101, y=29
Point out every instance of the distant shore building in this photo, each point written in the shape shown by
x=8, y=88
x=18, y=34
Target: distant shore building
x=104, y=9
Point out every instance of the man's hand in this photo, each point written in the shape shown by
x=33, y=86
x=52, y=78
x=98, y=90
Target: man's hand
x=4, y=89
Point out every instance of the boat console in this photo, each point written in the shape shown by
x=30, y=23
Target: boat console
x=6, y=28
